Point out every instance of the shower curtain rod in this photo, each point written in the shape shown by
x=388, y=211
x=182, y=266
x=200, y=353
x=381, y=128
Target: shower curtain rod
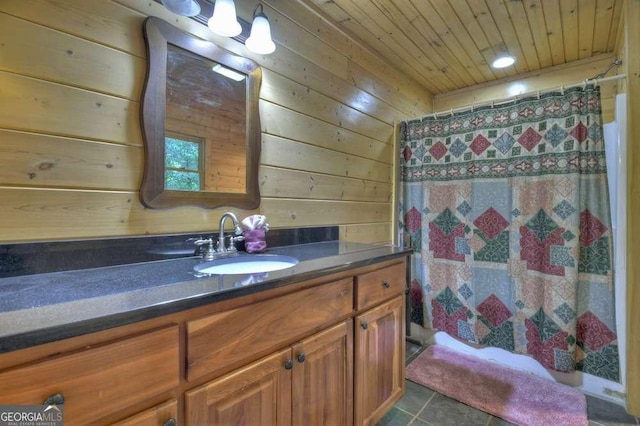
x=502, y=101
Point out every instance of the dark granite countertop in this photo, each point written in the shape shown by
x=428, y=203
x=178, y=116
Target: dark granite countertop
x=42, y=308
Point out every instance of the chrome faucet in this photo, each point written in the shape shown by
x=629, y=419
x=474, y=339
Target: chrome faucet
x=223, y=249
x=208, y=248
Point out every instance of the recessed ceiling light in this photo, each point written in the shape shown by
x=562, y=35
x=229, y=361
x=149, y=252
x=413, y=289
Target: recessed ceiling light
x=503, y=62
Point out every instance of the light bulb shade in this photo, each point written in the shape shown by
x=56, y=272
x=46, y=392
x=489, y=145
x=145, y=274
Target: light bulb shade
x=260, y=39
x=183, y=7
x=224, y=21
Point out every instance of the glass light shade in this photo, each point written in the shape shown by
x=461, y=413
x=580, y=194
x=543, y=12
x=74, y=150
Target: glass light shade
x=503, y=61
x=260, y=39
x=224, y=21
x=183, y=7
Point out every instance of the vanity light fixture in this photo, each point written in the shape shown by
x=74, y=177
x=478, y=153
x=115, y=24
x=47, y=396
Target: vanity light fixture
x=227, y=72
x=503, y=61
x=260, y=39
x=224, y=21
x=182, y=7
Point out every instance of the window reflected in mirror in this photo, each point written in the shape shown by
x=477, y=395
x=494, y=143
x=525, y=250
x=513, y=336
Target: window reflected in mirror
x=183, y=165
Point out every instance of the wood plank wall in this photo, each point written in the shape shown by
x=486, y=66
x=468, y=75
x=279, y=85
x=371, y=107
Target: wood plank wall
x=71, y=150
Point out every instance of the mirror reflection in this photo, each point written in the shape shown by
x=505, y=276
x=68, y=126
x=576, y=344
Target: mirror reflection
x=200, y=122
x=205, y=136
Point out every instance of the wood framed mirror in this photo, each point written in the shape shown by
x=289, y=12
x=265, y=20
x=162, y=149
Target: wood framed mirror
x=200, y=122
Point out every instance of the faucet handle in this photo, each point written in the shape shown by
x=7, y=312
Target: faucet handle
x=201, y=241
x=231, y=248
x=209, y=252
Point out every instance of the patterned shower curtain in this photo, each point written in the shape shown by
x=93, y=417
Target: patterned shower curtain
x=507, y=210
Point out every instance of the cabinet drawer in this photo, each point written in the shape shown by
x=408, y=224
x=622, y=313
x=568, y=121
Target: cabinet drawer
x=99, y=381
x=157, y=416
x=224, y=341
x=379, y=285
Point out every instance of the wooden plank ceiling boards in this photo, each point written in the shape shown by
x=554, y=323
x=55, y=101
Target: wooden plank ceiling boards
x=449, y=44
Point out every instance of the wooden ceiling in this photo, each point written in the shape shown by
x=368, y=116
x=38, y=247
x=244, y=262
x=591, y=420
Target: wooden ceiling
x=449, y=44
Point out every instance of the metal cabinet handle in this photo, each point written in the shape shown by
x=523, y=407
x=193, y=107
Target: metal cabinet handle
x=364, y=325
x=170, y=422
x=301, y=357
x=55, y=399
x=288, y=365
x=386, y=284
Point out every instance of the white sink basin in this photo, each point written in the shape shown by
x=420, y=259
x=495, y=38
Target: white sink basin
x=251, y=264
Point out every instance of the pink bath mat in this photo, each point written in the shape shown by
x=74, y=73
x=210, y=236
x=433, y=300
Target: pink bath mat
x=520, y=398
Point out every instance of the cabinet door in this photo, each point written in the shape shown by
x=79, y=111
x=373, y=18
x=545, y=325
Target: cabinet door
x=323, y=378
x=379, y=371
x=258, y=394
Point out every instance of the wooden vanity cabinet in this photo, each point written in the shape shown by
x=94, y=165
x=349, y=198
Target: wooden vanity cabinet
x=328, y=351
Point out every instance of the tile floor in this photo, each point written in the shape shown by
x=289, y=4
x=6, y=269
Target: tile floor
x=422, y=406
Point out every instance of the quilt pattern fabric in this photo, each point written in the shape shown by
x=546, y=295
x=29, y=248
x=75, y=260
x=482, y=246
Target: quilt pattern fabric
x=508, y=213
